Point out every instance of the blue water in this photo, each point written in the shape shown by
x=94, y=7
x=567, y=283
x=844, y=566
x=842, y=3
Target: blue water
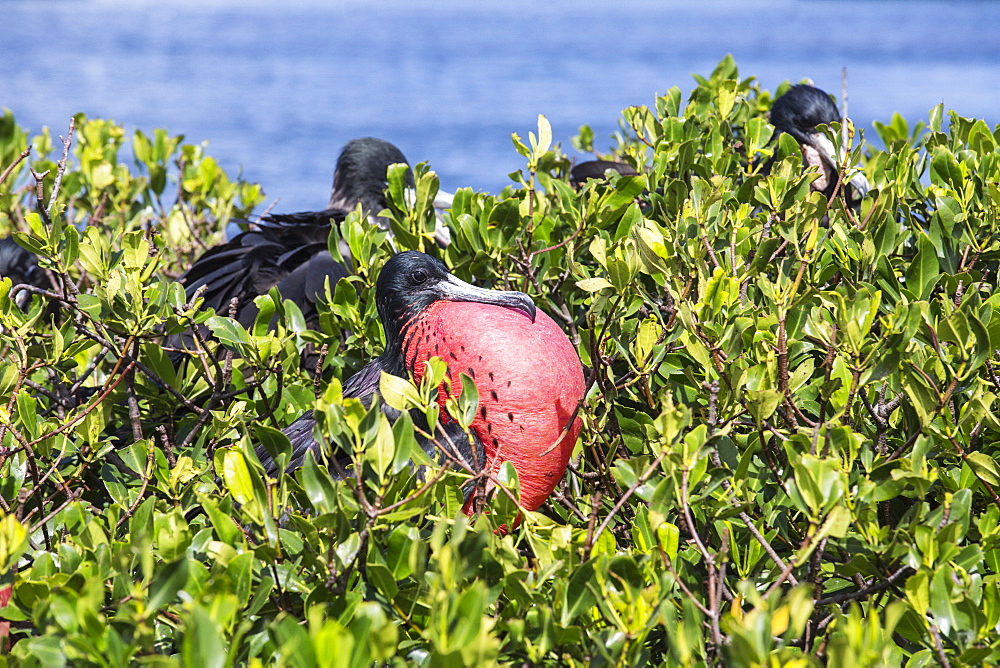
x=277, y=88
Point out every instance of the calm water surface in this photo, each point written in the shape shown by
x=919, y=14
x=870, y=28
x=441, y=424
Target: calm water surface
x=277, y=88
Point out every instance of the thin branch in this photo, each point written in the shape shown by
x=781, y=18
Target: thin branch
x=147, y=474
x=24, y=154
x=775, y=557
x=864, y=592
x=939, y=646
x=61, y=165
x=73, y=421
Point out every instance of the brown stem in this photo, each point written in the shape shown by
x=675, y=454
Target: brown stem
x=24, y=154
x=61, y=165
x=147, y=475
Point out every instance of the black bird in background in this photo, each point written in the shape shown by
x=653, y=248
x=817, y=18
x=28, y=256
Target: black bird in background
x=798, y=112
x=21, y=267
x=597, y=169
x=290, y=250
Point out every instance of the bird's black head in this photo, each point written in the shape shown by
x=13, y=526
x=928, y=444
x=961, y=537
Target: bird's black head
x=411, y=281
x=360, y=175
x=800, y=110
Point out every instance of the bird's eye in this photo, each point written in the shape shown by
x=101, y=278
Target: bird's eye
x=419, y=276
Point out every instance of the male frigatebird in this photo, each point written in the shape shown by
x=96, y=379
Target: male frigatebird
x=527, y=373
x=798, y=112
x=290, y=250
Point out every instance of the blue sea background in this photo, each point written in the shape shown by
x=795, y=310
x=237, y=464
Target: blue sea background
x=277, y=88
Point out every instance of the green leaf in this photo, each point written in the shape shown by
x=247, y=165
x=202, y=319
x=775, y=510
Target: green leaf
x=923, y=272
x=172, y=534
x=594, y=284
x=203, y=643
x=237, y=477
x=668, y=536
x=727, y=97
x=318, y=486
x=819, y=483
x=468, y=401
x=984, y=466
x=945, y=170
x=224, y=525
x=13, y=540
x=544, y=135
x=763, y=403
x=519, y=145
x=228, y=330
x=918, y=592
x=579, y=594
x=401, y=544
x=649, y=332
x=382, y=579
x=169, y=580
x=382, y=452
x=398, y=393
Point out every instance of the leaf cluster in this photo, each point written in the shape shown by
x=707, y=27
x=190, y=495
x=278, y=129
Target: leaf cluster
x=790, y=433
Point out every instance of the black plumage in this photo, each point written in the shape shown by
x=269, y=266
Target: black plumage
x=290, y=250
x=597, y=169
x=407, y=285
x=801, y=109
x=798, y=112
x=282, y=251
x=21, y=266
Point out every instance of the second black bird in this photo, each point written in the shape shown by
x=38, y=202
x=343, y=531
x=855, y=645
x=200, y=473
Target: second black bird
x=289, y=251
x=798, y=112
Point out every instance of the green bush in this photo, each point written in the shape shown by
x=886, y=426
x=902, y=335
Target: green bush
x=790, y=441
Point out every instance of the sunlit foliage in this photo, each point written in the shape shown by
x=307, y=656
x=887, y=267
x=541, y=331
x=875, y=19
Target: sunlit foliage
x=790, y=440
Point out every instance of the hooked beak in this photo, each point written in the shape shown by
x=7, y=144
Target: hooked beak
x=828, y=155
x=860, y=184
x=457, y=290
x=444, y=200
x=442, y=235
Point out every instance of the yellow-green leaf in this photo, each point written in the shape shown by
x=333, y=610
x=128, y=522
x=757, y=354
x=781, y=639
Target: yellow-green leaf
x=397, y=392
x=595, y=284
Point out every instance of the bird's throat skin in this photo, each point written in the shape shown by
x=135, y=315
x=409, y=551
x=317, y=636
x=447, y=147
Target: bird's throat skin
x=530, y=384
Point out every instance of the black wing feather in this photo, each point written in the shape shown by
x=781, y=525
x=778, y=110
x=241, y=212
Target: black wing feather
x=286, y=250
x=449, y=438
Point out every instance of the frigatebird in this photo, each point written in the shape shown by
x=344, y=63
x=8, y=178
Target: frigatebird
x=527, y=373
x=597, y=169
x=798, y=112
x=290, y=250
x=21, y=266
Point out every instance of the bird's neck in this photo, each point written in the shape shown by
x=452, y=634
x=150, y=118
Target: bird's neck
x=397, y=340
